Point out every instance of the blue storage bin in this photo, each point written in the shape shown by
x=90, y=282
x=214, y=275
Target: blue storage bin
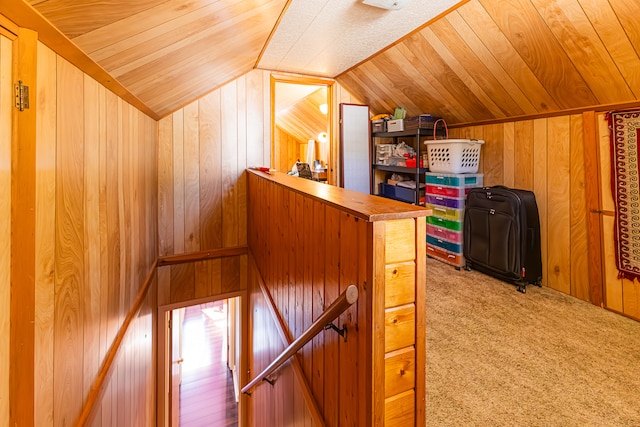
x=399, y=193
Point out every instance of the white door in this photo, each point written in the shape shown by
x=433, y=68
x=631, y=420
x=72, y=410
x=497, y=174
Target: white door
x=175, y=377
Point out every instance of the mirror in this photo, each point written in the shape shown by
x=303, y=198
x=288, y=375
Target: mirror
x=301, y=125
x=355, y=143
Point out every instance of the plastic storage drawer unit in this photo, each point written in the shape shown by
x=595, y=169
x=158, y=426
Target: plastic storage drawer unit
x=445, y=195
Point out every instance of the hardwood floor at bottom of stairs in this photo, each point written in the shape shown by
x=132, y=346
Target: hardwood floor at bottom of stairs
x=206, y=393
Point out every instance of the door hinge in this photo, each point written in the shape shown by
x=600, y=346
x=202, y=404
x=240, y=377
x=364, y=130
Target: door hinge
x=22, y=96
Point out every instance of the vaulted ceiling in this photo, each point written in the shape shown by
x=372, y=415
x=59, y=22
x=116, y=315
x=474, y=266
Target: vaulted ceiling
x=496, y=59
x=483, y=60
x=169, y=52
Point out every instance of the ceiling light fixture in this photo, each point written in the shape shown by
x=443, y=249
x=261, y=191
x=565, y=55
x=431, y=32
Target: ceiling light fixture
x=324, y=108
x=387, y=4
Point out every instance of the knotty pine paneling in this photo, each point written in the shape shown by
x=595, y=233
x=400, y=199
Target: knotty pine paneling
x=6, y=107
x=96, y=242
x=546, y=157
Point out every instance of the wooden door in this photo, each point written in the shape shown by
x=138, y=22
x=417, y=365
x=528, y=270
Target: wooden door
x=6, y=98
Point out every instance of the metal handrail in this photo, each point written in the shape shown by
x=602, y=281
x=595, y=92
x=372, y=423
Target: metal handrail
x=344, y=301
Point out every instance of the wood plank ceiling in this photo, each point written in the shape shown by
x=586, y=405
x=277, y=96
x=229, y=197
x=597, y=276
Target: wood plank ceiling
x=496, y=59
x=303, y=119
x=486, y=60
x=167, y=53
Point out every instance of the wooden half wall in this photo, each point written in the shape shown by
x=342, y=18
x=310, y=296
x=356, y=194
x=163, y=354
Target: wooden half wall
x=310, y=241
x=95, y=247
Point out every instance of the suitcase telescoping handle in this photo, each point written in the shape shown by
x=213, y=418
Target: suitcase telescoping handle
x=489, y=194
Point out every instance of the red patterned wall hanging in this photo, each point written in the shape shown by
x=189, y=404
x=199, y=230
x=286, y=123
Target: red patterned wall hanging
x=625, y=131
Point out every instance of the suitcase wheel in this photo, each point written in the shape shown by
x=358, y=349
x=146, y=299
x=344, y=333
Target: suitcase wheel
x=522, y=288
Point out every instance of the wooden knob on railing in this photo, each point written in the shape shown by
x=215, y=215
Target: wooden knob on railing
x=352, y=294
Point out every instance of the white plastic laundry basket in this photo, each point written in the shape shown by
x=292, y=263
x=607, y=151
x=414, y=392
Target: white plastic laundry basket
x=454, y=155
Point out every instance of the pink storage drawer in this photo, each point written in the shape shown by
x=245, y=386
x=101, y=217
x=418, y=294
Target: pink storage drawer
x=445, y=191
x=444, y=233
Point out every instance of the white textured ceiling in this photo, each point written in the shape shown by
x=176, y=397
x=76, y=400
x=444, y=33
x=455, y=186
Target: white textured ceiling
x=326, y=37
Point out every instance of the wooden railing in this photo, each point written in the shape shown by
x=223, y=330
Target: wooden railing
x=99, y=384
x=201, y=255
x=344, y=301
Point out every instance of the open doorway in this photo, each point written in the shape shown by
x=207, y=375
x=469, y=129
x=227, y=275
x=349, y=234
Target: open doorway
x=203, y=349
x=301, y=127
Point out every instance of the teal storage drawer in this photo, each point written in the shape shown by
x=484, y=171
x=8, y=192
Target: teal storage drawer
x=444, y=244
x=454, y=180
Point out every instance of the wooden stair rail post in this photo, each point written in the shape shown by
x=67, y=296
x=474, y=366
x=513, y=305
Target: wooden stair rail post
x=344, y=301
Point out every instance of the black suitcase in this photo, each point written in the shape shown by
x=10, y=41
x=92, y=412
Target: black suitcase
x=502, y=235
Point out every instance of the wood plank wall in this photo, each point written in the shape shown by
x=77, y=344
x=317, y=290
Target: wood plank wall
x=6, y=105
x=203, y=151
x=265, y=345
x=546, y=156
x=96, y=243
x=289, y=150
x=192, y=281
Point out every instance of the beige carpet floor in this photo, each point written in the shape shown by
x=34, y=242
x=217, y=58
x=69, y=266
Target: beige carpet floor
x=497, y=357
